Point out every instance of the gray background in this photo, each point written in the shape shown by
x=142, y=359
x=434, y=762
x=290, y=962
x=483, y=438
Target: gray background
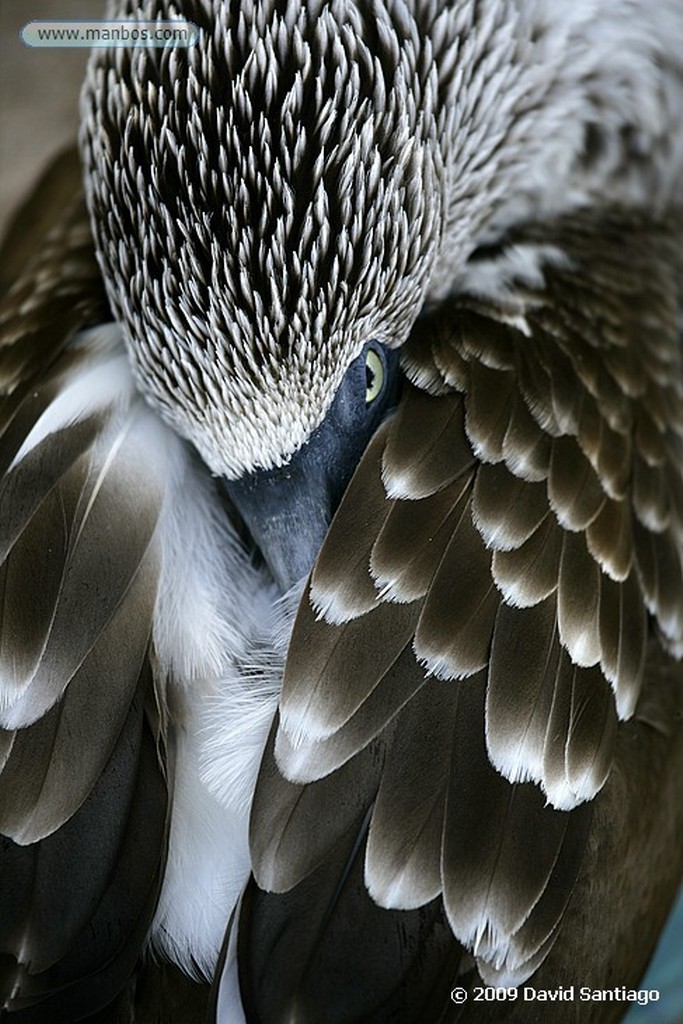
x=38, y=94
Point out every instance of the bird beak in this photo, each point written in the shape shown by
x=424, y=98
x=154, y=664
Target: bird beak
x=287, y=512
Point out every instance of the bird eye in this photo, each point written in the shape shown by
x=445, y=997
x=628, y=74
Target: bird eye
x=374, y=375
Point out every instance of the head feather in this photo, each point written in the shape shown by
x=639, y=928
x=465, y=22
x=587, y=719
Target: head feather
x=305, y=176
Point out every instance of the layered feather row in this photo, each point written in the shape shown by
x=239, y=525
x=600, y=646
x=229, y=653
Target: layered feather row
x=491, y=626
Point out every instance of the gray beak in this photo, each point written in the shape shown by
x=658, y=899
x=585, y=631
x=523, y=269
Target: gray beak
x=287, y=513
x=289, y=509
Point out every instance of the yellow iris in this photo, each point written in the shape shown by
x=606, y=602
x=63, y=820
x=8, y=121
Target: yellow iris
x=374, y=375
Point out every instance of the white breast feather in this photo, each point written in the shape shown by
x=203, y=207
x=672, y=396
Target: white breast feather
x=214, y=617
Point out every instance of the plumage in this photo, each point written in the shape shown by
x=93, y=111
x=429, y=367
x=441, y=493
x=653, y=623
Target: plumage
x=403, y=862
x=77, y=945
x=623, y=640
x=493, y=886
x=340, y=544
x=286, y=970
x=524, y=677
x=426, y=463
x=574, y=491
x=426, y=538
x=305, y=762
x=51, y=767
x=506, y=509
x=340, y=670
x=358, y=594
x=578, y=616
x=453, y=635
x=326, y=811
x=528, y=574
x=490, y=397
x=526, y=449
x=610, y=541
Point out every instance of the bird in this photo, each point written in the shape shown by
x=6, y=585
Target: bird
x=341, y=520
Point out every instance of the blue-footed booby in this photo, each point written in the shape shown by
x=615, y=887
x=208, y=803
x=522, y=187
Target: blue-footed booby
x=341, y=521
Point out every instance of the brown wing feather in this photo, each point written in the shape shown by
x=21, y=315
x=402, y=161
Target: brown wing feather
x=52, y=764
x=58, y=292
x=341, y=599
x=426, y=536
x=549, y=437
x=308, y=761
x=437, y=454
x=76, y=934
x=528, y=574
x=30, y=223
x=84, y=468
x=403, y=860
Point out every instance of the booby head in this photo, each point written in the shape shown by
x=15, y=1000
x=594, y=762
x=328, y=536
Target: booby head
x=269, y=202
x=266, y=209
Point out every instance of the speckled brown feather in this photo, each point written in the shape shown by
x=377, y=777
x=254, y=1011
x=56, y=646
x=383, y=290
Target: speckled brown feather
x=58, y=290
x=57, y=187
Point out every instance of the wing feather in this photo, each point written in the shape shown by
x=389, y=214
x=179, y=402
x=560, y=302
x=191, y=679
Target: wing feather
x=326, y=951
x=26, y=485
x=433, y=457
x=526, y=448
x=491, y=394
x=337, y=596
x=609, y=451
x=283, y=812
x=532, y=942
x=506, y=509
x=58, y=292
x=651, y=501
x=522, y=678
x=649, y=439
x=119, y=482
x=7, y=738
x=497, y=865
x=623, y=640
x=32, y=579
x=610, y=539
x=565, y=397
x=328, y=678
x=308, y=761
x=574, y=490
x=530, y=573
x=76, y=935
x=25, y=234
x=537, y=571
x=578, y=601
x=669, y=591
x=49, y=771
x=403, y=860
x=425, y=537
x=453, y=634
x=592, y=730
x=65, y=915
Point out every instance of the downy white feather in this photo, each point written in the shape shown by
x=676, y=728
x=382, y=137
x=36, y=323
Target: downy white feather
x=220, y=642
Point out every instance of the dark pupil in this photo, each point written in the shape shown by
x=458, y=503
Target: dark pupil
x=369, y=377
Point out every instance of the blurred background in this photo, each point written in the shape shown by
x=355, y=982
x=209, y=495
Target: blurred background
x=38, y=117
